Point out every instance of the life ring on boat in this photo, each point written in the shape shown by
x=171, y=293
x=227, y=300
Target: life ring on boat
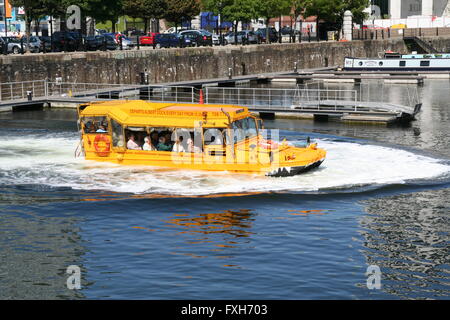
x=102, y=145
x=268, y=144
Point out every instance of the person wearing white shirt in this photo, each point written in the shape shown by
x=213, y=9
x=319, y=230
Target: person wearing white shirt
x=132, y=145
x=148, y=146
x=178, y=146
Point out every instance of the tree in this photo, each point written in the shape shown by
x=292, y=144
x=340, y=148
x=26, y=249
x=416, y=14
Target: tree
x=240, y=11
x=106, y=10
x=332, y=11
x=268, y=9
x=145, y=9
x=179, y=10
x=34, y=10
x=297, y=8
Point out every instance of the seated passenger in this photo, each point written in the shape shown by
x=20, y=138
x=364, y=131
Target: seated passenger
x=178, y=146
x=169, y=142
x=154, y=138
x=131, y=144
x=191, y=148
x=101, y=129
x=162, y=145
x=148, y=145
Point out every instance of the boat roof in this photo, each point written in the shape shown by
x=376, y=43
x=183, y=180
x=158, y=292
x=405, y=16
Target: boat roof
x=144, y=113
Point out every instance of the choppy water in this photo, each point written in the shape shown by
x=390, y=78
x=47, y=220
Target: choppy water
x=379, y=199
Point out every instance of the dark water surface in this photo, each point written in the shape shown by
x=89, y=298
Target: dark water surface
x=381, y=198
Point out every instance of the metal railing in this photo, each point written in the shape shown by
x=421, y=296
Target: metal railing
x=19, y=90
x=14, y=91
x=359, y=98
x=279, y=99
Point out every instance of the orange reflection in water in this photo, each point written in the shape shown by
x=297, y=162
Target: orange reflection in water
x=223, y=232
x=307, y=212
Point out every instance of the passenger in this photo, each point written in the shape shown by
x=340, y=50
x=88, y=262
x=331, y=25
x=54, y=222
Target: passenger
x=131, y=144
x=101, y=129
x=148, y=145
x=154, y=138
x=162, y=145
x=191, y=148
x=169, y=142
x=178, y=146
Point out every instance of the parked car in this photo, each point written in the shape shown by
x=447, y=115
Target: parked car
x=148, y=40
x=35, y=44
x=247, y=36
x=262, y=33
x=14, y=45
x=243, y=37
x=198, y=37
x=172, y=40
x=2, y=45
x=127, y=43
x=65, y=40
x=45, y=42
x=101, y=42
x=215, y=39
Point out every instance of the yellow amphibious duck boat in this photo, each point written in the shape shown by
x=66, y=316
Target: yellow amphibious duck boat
x=188, y=136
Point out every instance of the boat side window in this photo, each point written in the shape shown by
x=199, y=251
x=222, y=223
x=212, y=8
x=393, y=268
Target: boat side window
x=95, y=124
x=117, y=134
x=424, y=63
x=213, y=137
x=135, y=137
x=402, y=63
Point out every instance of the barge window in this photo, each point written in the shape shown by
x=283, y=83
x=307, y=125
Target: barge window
x=95, y=124
x=424, y=63
x=402, y=63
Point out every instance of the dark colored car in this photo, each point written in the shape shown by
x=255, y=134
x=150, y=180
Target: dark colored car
x=64, y=40
x=172, y=40
x=2, y=46
x=100, y=42
x=45, y=42
x=262, y=33
x=198, y=37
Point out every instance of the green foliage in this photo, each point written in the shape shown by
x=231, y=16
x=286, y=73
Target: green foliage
x=145, y=9
x=241, y=10
x=332, y=11
x=179, y=10
x=273, y=8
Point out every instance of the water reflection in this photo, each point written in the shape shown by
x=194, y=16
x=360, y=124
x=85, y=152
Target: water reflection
x=223, y=232
x=35, y=252
x=407, y=236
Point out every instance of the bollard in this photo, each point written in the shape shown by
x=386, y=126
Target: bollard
x=121, y=42
x=21, y=46
x=138, y=42
x=29, y=95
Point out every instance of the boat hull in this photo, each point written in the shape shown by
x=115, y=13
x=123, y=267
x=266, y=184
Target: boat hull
x=293, y=171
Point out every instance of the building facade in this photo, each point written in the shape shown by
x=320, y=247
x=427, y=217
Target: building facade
x=402, y=9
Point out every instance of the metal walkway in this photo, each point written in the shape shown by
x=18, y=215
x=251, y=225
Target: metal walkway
x=303, y=99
